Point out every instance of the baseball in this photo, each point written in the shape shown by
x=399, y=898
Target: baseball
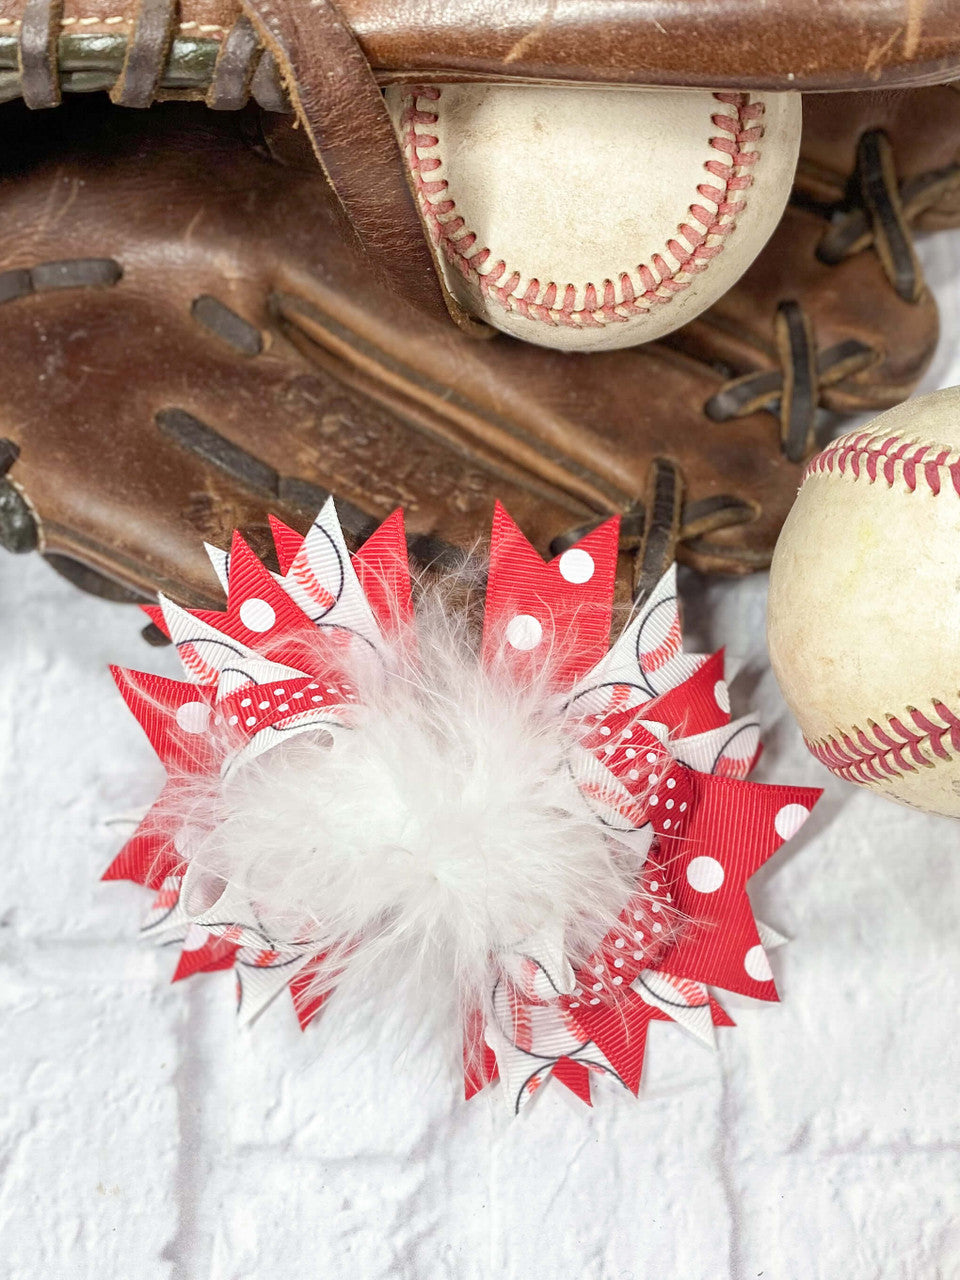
x=589, y=219
x=864, y=609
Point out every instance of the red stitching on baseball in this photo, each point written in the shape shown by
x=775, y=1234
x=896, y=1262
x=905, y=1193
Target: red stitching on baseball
x=640, y=290
x=877, y=754
x=875, y=456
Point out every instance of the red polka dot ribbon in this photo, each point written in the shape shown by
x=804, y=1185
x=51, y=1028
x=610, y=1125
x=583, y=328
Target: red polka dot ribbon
x=654, y=752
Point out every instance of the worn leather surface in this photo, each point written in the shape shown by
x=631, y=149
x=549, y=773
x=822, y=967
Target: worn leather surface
x=852, y=298
x=743, y=44
x=751, y=43
x=323, y=59
x=321, y=375
x=339, y=105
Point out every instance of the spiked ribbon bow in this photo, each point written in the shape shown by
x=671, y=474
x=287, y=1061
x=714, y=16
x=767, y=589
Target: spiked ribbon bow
x=658, y=759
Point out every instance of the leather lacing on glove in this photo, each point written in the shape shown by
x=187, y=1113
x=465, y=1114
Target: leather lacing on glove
x=39, y=63
x=879, y=213
x=653, y=530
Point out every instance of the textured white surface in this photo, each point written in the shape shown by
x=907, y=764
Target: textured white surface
x=144, y=1137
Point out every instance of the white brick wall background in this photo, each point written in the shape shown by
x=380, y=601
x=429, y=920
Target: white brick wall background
x=143, y=1136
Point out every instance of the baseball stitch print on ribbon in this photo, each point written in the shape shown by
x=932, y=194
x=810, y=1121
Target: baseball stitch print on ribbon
x=560, y=830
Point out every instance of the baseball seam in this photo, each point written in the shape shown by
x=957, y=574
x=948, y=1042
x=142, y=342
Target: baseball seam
x=637, y=290
x=878, y=754
x=889, y=458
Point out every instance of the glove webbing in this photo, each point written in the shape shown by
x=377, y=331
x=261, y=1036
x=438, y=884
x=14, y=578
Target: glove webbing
x=884, y=213
x=793, y=391
x=881, y=216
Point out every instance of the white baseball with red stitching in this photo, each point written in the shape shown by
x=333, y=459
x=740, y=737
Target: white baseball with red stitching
x=864, y=610
x=589, y=219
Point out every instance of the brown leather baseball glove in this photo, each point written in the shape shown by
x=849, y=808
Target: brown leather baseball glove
x=202, y=324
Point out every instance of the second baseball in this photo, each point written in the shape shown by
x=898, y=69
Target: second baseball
x=864, y=608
